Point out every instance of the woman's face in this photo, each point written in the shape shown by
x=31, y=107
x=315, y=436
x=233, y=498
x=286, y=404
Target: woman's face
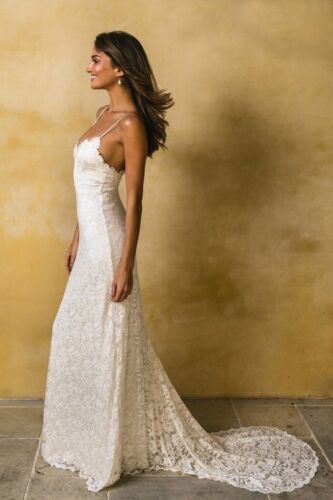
x=102, y=72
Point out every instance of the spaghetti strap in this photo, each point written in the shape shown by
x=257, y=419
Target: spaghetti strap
x=113, y=126
x=99, y=114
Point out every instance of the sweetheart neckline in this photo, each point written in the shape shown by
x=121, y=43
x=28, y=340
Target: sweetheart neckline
x=87, y=139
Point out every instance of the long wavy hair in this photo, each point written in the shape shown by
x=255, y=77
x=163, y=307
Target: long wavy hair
x=127, y=53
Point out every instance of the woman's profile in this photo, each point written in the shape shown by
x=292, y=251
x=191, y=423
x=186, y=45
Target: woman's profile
x=110, y=408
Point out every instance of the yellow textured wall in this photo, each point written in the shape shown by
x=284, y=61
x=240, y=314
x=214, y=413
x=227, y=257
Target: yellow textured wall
x=237, y=213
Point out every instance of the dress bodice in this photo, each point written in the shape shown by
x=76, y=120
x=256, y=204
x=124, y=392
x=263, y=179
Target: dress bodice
x=90, y=169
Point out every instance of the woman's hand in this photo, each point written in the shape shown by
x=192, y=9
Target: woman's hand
x=70, y=255
x=122, y=284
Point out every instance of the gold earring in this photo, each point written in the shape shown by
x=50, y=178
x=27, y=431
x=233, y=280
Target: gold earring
x=119, y=81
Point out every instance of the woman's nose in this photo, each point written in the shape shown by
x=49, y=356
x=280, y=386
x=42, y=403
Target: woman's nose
x=88, y=68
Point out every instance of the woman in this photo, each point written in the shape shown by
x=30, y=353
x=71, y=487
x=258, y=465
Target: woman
x=110, y=408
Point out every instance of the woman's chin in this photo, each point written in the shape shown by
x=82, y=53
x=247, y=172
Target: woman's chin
x=93, y=83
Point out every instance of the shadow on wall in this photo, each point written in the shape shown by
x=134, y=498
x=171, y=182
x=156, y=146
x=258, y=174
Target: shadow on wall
x=232, y=201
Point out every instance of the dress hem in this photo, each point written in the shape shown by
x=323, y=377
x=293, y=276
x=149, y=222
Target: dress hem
x=96, y=486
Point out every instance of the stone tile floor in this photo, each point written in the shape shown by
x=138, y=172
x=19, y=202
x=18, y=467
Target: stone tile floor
x=24, y=474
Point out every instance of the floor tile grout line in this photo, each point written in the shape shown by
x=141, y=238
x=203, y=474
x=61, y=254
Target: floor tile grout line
x=312, y=434
x=18, y=437
x=21, y=406
x=258, y=401
x=235, y=412
x=286, y=403
x=259, y=398
x=32, y=469
x=20, y=399
x=309, y=404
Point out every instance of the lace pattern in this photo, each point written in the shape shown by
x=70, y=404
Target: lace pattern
x=110, y=408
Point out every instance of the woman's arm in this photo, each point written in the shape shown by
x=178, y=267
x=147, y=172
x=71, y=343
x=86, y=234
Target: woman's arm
x=135, y=151
x=76, y=233
x=71, y=252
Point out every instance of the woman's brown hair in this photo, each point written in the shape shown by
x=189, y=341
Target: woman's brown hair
x=127, y=53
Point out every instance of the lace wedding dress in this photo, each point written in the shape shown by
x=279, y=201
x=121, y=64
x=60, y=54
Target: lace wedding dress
x=110, y=408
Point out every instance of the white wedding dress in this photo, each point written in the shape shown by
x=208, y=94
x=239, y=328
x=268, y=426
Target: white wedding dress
x=110, y=408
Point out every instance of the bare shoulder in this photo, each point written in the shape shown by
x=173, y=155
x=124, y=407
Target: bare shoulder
x=133, y=124
x=134, y=135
